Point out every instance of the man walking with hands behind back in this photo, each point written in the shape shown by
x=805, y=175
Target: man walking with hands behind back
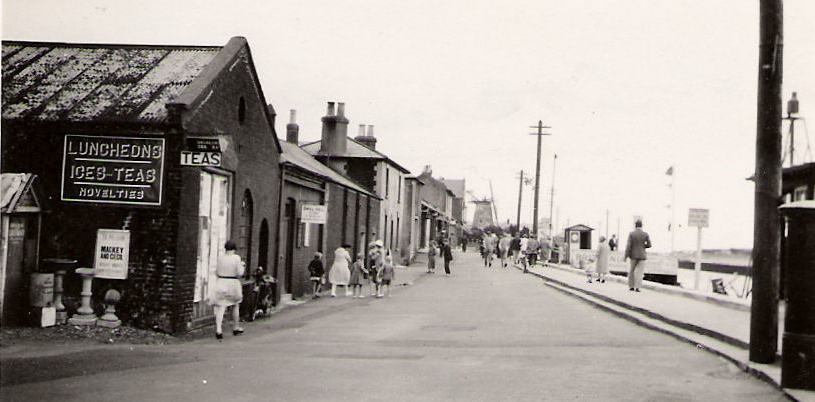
x=638, y=241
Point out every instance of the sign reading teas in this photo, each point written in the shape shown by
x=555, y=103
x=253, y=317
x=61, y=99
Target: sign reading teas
x=115, y=170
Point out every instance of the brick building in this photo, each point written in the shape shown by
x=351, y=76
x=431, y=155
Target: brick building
x=412, y=213
x=172, y=144
x=358, y=159
x=436, y=208
x=458, y=188
x=308, y=183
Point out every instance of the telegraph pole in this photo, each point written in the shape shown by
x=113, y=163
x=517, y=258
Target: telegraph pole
x=540, y=133
x=552, y=195
x=520, y=191
x=766, y=226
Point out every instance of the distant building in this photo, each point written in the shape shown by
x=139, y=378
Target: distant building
x=436, y=207
x=457, y=213
x=412, y=213
x=358, y=159
x=798, y=182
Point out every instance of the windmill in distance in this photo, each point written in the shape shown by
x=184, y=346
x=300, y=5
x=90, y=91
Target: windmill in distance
x=483, y=216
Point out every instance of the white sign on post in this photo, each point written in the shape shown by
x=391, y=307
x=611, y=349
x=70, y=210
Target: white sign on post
x=698, y=217
x=313, y=213
x=112, y=254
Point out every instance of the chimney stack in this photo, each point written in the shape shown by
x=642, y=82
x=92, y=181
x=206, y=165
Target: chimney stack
x=335, y=131
x=292, y=129
x=366, y=139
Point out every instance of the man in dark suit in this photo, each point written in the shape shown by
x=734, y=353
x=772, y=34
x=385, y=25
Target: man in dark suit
x=638, y=241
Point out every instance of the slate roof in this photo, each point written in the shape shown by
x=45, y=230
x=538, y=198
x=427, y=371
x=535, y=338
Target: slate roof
x=456, y=186
x=294, y=155
x=82, y=82
x=354, y=149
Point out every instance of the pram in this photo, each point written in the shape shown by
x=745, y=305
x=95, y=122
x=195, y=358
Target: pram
x=262, y=298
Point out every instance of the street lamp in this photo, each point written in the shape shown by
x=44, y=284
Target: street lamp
x=792, y=109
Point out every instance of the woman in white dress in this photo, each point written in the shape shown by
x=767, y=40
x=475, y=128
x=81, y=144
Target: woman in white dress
x=227, y=290
x=340, y=272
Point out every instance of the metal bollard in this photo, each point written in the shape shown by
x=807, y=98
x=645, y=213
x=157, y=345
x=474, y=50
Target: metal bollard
x=798, y=348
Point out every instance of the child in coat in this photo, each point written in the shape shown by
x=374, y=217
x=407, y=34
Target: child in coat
x=316, y=272
x=357, y=273
x=386, y=276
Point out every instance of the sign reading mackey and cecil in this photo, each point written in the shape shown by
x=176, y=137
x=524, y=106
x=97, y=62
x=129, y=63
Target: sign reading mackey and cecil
x=112, y=254
x=114, y=170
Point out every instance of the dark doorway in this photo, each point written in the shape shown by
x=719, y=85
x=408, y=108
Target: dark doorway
x=290, y=224
x=263, y=243
x=245, y=240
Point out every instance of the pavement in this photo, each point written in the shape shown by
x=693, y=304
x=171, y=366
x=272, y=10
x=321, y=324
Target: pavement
x=720, y=325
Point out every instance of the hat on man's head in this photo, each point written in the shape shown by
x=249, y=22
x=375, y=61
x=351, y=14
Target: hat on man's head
x=379, y=243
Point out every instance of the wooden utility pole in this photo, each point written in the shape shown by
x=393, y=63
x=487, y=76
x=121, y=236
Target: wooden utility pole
x=552, y=196
x=520, y=191
x=540, y=133
x=766, y=224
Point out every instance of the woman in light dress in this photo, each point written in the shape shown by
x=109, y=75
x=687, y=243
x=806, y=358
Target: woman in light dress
x=603, y=252
x=227, y=290
x=340, y=272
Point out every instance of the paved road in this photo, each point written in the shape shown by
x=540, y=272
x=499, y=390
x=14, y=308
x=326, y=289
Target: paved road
x=480, y=335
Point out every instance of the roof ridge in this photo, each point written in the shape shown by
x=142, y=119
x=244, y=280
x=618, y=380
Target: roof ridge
x=109, y=45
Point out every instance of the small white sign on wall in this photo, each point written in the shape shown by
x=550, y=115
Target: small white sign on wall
x=112, y=254
x=313, y=213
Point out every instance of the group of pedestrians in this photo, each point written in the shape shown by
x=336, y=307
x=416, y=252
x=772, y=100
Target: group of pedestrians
x=638, y=242
x=518, y=249
x=444, y=251
x=352, y=275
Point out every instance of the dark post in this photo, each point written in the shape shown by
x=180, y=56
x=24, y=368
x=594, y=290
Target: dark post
x=540, y=133
x=520, y=191
x=766, y=226
x=798, y=350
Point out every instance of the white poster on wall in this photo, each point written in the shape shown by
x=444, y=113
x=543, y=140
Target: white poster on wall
x=112, y=254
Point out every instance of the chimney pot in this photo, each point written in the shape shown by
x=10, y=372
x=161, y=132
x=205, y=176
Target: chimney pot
x=292, y=129
x=330, y=111
x=340, y=109
x=370, y=130
x=293, y=116
x=361, y=130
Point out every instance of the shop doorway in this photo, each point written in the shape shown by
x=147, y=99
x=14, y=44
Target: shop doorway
x=213, y=229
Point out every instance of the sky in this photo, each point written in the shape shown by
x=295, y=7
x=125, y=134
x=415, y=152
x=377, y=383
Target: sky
x=628, y=87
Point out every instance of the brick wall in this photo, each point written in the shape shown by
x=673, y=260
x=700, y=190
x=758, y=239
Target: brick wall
x=69, y=228
x=302, y=254
x=235, y=111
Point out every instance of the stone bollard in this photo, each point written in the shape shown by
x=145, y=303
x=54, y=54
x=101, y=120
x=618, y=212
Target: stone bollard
x=109, y=319
x=84, y=315
x=60, y=267
x=798, y=347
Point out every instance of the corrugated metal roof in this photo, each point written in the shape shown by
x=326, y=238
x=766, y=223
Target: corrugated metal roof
x=354, y=149
x=298, y=157
x=75, y=82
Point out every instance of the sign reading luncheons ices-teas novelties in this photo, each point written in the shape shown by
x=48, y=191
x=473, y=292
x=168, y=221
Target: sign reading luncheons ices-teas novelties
x=113, y=170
